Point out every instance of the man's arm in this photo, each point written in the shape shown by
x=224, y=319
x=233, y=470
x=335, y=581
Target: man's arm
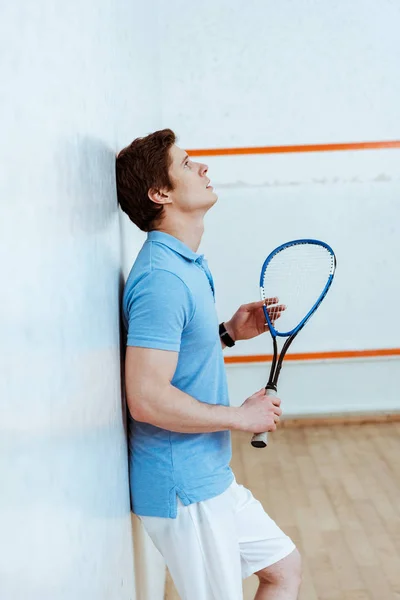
x=152, y=399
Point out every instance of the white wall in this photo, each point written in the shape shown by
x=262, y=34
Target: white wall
x=78, y=82
x=360, y=219
x=261, y=73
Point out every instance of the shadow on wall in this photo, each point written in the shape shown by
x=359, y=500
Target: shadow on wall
x=86, y=174
x=122, y=352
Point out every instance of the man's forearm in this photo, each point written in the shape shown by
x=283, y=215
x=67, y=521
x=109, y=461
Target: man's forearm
x=172, y=409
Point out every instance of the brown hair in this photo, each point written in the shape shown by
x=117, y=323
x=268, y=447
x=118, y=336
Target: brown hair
x=140, y=166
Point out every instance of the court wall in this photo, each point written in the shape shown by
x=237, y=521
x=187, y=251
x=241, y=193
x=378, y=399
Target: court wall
x=259, y=74
x=75, y=84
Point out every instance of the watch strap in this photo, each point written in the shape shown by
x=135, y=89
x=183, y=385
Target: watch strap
x=225, y=337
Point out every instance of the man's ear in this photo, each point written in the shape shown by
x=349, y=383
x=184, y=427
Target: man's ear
x=159, y=196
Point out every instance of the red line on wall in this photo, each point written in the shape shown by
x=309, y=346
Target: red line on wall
x=316, y=355
x=296, y=148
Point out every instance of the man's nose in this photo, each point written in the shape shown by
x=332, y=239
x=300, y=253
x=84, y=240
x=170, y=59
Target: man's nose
x=203, y=169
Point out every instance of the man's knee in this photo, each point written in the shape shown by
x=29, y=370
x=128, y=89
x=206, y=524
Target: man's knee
x=285, y=572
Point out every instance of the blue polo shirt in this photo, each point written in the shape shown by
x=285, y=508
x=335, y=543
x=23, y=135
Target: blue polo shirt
x=168, y=304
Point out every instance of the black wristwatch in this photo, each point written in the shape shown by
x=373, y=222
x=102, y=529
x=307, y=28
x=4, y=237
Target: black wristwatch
x=225, y=337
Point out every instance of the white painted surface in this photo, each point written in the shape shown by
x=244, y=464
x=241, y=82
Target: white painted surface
x=238, y=73
x=349, y=200
x=76, y=84
x=324, y=387
x=260, y=74
x=361, y=223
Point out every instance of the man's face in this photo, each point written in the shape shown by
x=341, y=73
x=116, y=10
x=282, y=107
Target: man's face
x=192, y=190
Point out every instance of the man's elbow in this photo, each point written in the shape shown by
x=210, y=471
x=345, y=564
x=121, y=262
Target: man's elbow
x=143, y=403
x=138, y=409
x=146, y=399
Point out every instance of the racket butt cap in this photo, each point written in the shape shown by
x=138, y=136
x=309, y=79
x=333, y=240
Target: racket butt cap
x=258, y=444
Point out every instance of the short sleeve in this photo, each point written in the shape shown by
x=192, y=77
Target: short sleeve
x=159, y=307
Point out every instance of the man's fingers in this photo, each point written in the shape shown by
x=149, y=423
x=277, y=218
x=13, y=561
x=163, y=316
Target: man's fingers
x=252, y=306
x=275, y=313
x=274, y=317
x=269, y=301
x=276, y=309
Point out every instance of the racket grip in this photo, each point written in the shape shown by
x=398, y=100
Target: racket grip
x=260, y=440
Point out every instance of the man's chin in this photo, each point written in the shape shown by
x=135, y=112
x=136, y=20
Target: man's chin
x=215, y=198
x=212, y=198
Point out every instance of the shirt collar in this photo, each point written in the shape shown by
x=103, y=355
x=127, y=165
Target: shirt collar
x=176, y=245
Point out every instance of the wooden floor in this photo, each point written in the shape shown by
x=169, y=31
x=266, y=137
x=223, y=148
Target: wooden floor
x=336, y=492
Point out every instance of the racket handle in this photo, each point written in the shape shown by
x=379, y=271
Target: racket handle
x=260, y=440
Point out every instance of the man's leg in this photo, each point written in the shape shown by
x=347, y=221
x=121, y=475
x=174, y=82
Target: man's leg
x=265, y=549
x=280, y=581
x=201, y=549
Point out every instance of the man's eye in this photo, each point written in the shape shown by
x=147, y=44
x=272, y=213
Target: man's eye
x=187, y=163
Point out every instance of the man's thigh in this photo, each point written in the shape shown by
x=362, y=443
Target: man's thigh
x=262, y=543
x=201, y=549
x=213, y=544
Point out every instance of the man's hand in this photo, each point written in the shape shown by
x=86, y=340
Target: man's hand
x=259, y=413
x=249, y=320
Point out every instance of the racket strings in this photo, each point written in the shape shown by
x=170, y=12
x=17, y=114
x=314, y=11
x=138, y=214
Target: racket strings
x=297, y=275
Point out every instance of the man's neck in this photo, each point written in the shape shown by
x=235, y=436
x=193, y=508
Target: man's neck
x=188, y=233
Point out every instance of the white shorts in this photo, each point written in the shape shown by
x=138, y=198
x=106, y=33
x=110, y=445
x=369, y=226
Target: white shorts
x=212, y=545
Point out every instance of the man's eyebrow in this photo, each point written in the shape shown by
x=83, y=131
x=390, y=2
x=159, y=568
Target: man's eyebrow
x=185, y=158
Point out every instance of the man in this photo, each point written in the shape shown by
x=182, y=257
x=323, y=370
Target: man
x=209, y=529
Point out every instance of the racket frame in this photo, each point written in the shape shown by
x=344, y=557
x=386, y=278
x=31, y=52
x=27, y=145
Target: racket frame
x=319, y=300
x=277, y=361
